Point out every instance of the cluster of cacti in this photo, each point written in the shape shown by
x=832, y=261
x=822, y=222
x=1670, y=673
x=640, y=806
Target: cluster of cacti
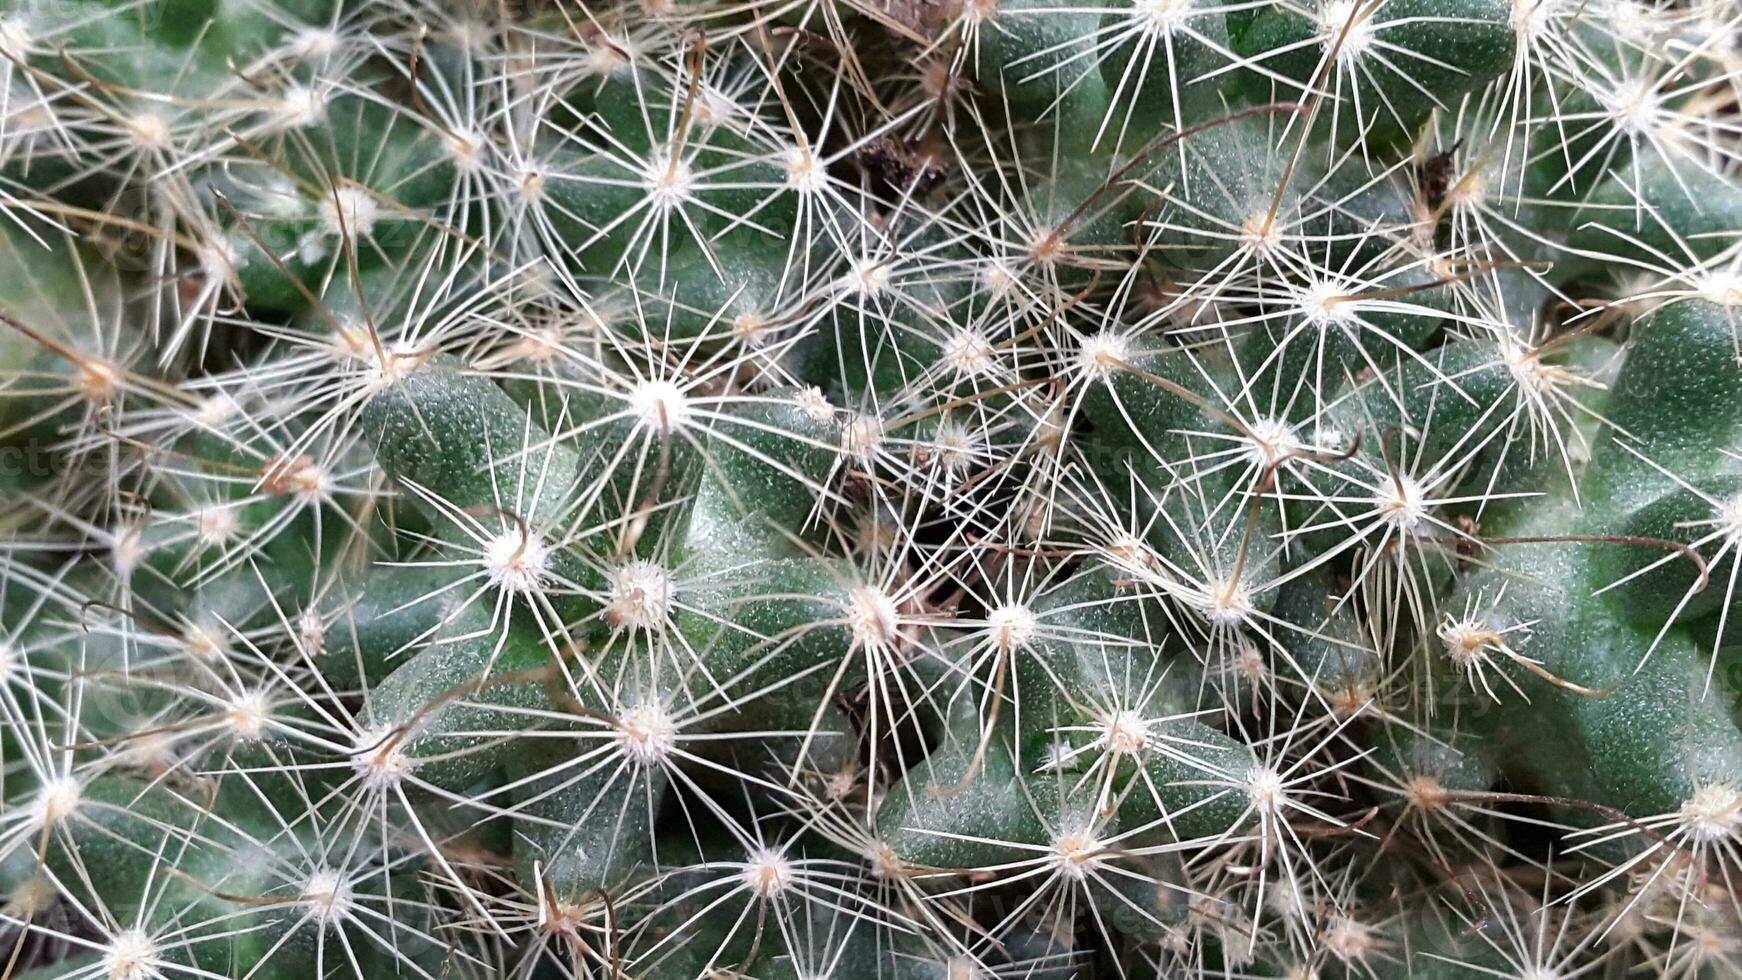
x=898, y=489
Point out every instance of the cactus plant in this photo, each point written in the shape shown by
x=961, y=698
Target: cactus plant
x=840, y=489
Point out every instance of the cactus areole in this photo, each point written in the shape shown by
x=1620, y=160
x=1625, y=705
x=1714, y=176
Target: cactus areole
x=870, y=489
